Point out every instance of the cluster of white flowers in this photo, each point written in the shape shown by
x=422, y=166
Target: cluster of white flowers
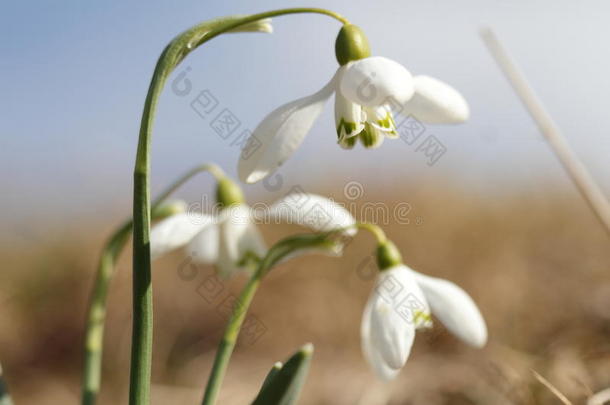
x=400, y=303
x=231, y=236
x=366, y=90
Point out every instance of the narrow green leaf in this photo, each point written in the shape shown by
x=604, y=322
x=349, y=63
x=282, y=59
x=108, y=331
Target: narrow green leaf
x=282, y=387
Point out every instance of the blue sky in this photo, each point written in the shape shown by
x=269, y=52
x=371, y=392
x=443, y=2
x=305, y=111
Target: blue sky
x=74, y=76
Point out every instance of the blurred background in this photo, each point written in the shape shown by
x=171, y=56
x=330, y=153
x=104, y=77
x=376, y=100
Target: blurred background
x=494, y=213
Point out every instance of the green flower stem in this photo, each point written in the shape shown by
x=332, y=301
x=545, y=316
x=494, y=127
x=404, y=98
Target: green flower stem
x=96, y=313
x=172, y=55
x=278, y=252
x=227, y=344
x=377, y=232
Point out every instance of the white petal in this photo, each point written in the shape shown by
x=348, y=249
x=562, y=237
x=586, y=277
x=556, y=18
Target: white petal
x=349, y=116
x=370, y=351
x=238, y=234
x=204, y=246
x=391, y=334
x=399, y=286
x=396, y=308
x=376, y=81
x=455, y=309
x=313, y=211
x=435, y=102
x=176, y=231
x=280, y=134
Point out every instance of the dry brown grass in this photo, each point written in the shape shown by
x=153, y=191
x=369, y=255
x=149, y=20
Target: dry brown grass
x=537, y=264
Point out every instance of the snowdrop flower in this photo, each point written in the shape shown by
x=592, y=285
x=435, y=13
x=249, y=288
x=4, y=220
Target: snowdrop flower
x=231, y=239
x=401, y=303
x=368, y=91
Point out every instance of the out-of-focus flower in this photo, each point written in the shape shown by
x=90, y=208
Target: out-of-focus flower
x=231, y=239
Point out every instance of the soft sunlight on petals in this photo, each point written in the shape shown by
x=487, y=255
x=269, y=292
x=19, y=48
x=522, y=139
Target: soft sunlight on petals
x=455, y=309
x=280, y=134
x=435, y=102
x=371, y=351
x=376, y=81
x=396, y=308
x=313, y=211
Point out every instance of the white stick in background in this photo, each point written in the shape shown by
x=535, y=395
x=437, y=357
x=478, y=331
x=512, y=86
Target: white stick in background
x=575, y=168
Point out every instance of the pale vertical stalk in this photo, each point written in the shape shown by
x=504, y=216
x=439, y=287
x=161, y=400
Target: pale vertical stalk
x=576, y=169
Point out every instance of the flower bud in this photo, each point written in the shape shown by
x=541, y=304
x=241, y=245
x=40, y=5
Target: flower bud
x=351, y=44
x=388, y=255
x=168, y=209
x=228, y=193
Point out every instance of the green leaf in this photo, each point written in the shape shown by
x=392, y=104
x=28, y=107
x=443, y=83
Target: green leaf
x=272, y=373
x=283, y=386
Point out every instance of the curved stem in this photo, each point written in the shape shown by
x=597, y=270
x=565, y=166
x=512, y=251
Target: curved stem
x=377, y=232
x=96, y=313
x=211, y=168
x=173, y=54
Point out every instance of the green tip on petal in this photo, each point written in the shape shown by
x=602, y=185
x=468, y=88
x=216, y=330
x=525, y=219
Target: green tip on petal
x=346, y=129
x=348, y=143
x=351, y=44
x=369, y=137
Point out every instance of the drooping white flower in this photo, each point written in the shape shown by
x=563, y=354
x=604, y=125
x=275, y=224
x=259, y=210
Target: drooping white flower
x=231, y=237
x=400, y=304
x=368, y=90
